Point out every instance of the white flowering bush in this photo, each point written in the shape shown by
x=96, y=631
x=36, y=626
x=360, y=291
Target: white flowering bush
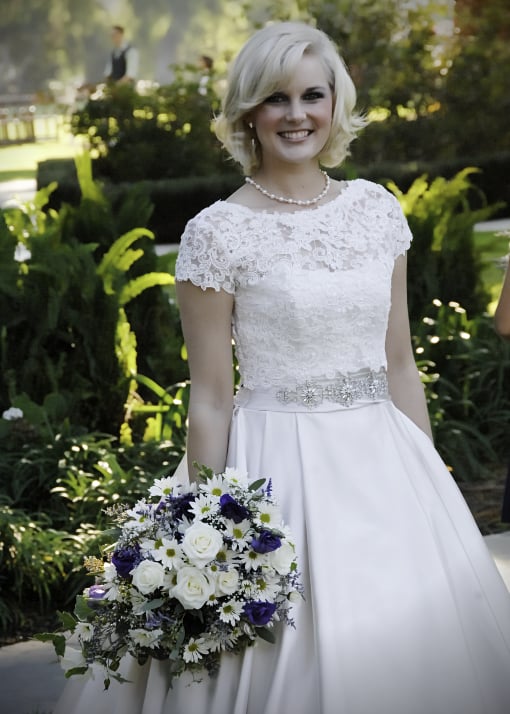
x=193, y=573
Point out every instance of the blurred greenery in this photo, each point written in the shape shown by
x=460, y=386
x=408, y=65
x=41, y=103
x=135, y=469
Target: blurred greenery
x=422, y=70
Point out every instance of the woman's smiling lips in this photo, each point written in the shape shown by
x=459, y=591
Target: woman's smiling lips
x=296, y=135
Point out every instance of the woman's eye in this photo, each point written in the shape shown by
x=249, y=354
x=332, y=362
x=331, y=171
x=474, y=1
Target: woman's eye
x=275, y=98
x=313, y=96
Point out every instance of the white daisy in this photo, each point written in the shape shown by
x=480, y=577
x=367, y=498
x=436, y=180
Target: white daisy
x=145, y=638
x=109, y=573
x=140, y=515
x=230, y=611
x=147, y=545
x=112, y=591
x=269, y=516
x=84, y=631
x=226, y=557
x=266, y=586
x=168, y=552
x=202, y=506
x=194, y=649
x=239, y=532
x=253, y=560
x=216, y=486
x=164, y=486
x=237, y=476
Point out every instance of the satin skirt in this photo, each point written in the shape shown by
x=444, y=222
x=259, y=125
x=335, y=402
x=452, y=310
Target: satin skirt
x=404, y=610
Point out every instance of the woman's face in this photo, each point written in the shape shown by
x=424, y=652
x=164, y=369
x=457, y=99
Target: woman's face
x=294, y=123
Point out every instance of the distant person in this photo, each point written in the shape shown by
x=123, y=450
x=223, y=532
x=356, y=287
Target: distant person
x=502, y=325
x=122, y=66
x=205, y=64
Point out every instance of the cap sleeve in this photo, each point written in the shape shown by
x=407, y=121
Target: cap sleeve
x=401, y=233
x=203, y=256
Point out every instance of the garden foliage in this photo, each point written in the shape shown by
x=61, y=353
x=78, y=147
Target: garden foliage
x=164, y=133
x=443, y=263
x=92, y=355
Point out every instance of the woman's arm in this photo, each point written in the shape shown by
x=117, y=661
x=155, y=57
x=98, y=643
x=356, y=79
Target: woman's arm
x=405, y=386
x=206, y=323
x=502, y=314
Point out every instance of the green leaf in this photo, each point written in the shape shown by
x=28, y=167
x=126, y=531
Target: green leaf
x=82, y=610
x=266, y=634
x=153, y=604
x=89, y=188
x=59, y=643
x=257, y=484
x=143, y=282
x=67, y=620
x=42, y=196
x=75, y=670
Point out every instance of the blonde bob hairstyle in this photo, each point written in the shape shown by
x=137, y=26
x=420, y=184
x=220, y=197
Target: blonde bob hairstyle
x=266, y=62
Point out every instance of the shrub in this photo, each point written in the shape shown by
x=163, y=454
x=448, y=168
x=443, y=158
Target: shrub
x=52, y=500
x=68, y=285
x=163, y=133
x=443, y=262
x=466, y=370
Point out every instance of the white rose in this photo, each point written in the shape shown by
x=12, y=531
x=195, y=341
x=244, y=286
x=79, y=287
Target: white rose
x=227, y=582
x=193, y=588
x=148, y=576
x=201, y=544
x=72, y=658
x=281, y=559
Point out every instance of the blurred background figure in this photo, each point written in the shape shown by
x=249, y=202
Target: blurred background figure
x=502, y=325
x=205, y=65
x=122, y=65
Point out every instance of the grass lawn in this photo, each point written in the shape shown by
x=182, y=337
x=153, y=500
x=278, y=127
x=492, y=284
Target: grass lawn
x=20, y=161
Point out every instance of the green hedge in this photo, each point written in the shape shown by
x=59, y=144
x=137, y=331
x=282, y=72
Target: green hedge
x=177, y=200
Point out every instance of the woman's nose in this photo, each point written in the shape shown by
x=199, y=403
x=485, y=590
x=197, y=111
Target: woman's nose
x=295, y=111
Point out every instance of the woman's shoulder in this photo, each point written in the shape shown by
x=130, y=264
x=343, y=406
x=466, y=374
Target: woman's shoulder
x=210, y=214
x=368, y=187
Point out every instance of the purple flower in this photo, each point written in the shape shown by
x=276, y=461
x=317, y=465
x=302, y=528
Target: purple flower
x=259, y=612
x=180, y=505
x=230, y=508
x=97, y=592
x=266, y=542
x=125, y=560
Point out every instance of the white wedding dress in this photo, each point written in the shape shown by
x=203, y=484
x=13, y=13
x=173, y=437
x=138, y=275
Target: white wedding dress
x=405, y=612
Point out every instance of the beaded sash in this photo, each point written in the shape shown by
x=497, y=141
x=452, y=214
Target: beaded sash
x=344, y=390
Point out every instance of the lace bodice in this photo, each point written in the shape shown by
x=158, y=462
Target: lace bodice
x=311, y=287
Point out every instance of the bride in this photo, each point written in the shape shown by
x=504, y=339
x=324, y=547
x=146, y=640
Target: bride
x=404, y=610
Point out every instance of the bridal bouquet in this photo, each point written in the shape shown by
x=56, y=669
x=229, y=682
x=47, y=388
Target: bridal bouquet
x=194, y=572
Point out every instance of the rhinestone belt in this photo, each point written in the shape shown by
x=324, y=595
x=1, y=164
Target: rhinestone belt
x=344, y=390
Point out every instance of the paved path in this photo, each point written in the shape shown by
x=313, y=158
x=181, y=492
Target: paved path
x=17, y=190
x=31, y=680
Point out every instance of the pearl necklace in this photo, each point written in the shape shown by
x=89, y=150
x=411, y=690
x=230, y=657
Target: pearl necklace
x=295, y=201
